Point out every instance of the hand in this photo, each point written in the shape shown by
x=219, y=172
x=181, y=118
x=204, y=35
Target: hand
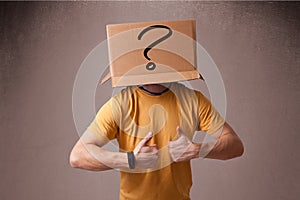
x=182, y=149
x=146, y=156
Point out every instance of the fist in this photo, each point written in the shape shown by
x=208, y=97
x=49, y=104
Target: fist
x=146, y=157
x=182, y=149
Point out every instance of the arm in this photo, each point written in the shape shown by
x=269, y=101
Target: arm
x=228, y=146
x=88, y=154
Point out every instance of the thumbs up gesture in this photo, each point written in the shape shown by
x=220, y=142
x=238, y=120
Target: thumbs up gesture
x=146, y=156
x=182, y=149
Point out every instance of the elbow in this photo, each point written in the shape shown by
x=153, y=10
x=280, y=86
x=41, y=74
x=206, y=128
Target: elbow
x=241, y=149
x=74, y=160
x=237, y=150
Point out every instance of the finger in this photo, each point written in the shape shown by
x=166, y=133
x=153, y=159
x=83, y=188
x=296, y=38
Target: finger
x=148, y=149
x=145, y=149
x=148, y=136
x=153, y=147
x=142, y=142
x=179, y=134
x=179, y=131
x=171, y=144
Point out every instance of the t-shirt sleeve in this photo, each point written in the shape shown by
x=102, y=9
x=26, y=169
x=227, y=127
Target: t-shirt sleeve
x=210, y=119
x=104, y=124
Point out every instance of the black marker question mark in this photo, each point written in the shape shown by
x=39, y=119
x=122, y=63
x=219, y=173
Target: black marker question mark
x=152, y=65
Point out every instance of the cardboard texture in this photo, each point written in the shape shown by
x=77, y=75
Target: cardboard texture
x=152, y=52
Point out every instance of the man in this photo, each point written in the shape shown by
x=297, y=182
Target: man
x=154, y=125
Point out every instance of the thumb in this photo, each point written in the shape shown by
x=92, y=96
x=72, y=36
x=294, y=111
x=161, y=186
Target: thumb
x=179, y=138
x=142, y=143
x=179, y=131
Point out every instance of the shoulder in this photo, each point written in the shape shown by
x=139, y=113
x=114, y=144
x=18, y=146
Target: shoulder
x=124, y=95
x=183, y=91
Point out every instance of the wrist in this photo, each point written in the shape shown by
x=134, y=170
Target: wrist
x=131, y=159
x=196, y=149
x=120, y=160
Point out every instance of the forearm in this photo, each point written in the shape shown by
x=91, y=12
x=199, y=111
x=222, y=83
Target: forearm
x=91, y=157
x=226, y=147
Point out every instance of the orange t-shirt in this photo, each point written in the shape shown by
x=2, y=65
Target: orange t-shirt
x=131, y=114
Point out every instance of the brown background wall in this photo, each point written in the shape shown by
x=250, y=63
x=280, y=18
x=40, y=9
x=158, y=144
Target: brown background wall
x=254, y=44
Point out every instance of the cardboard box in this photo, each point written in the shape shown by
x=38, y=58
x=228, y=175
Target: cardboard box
x=152, y=52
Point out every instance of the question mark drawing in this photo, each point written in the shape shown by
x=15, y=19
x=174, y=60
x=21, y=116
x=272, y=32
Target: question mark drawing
x=152, y=65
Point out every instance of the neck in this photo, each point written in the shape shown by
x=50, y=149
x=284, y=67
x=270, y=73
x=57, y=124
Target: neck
x=155, y=88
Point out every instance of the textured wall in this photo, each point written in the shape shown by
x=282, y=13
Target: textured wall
x=254, y=44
